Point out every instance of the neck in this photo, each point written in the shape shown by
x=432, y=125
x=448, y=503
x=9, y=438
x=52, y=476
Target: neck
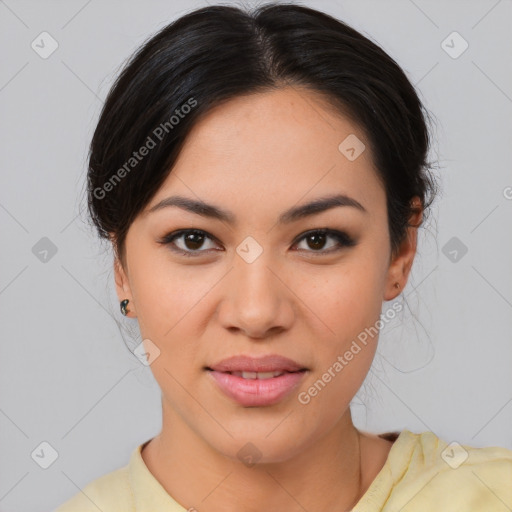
x=326, y=475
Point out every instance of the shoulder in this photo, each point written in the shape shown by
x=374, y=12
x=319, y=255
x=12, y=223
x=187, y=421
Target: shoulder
x=108, y=493
x=438, y=473
x=424, y=472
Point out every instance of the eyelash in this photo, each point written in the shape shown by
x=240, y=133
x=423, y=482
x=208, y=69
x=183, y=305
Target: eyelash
x=343, y=239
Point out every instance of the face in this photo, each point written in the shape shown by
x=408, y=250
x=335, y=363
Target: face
x=257, y=284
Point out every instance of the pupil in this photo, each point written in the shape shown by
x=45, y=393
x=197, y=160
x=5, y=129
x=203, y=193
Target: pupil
x=189, y=239
x=316, y=236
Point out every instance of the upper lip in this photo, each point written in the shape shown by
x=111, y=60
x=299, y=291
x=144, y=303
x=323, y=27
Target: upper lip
x=268, y=363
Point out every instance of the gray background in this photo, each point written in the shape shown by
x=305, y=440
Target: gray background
x=67, y=377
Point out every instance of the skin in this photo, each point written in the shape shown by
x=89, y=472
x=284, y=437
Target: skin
x=257, y=156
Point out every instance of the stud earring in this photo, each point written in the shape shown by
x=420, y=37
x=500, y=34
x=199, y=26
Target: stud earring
x=123, y=305
x=397, y=285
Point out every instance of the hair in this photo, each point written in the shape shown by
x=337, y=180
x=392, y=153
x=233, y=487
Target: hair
x=217, y=53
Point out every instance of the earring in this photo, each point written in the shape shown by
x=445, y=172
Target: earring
x=123, y=305
x=397, y=285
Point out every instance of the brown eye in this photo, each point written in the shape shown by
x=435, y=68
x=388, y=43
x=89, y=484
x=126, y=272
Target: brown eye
x=192, y=241
x=317, y=239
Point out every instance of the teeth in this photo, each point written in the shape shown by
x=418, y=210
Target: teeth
x=258, y=375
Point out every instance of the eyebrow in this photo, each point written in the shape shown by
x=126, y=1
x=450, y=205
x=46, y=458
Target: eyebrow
x=291, y=215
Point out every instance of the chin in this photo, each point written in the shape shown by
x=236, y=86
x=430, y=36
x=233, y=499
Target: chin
x=259, y=447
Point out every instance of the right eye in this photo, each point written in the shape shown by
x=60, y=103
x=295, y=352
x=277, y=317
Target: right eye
x=191, y=241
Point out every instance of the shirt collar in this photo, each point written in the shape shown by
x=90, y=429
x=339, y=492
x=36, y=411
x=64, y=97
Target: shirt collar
x=148, y=493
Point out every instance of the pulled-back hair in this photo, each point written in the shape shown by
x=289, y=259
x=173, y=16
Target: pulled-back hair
x=216, y=53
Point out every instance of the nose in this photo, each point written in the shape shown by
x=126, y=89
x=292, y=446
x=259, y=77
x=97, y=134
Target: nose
x=257, y=299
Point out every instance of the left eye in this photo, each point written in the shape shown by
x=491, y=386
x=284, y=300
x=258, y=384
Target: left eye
x=318, y=237
x=193, y=239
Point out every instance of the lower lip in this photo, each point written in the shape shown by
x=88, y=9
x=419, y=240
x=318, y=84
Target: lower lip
x=256, y=392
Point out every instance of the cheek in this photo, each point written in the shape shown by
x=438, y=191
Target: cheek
x=168, y=296
x=348, y=302
x=349, y=305
x=344, y=300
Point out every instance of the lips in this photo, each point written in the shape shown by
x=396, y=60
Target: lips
x=269, y=363
x=256, y=382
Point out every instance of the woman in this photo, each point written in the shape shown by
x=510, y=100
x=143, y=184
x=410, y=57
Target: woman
x=262, y=178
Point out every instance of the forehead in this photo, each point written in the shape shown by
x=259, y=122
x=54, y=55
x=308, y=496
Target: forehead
x=280, y=146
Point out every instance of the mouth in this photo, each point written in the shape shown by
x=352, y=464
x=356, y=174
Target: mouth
x=256, y=382
x=258, y=375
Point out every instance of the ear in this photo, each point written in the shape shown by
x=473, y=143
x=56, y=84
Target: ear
x=123, y=288
x=402, y=260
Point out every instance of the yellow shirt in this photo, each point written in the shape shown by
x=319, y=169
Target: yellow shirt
x=422, y=473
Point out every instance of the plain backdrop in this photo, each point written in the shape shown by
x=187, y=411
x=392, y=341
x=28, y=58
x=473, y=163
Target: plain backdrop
x=67, y=377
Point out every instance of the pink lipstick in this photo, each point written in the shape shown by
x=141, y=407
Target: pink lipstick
x=253, y=382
